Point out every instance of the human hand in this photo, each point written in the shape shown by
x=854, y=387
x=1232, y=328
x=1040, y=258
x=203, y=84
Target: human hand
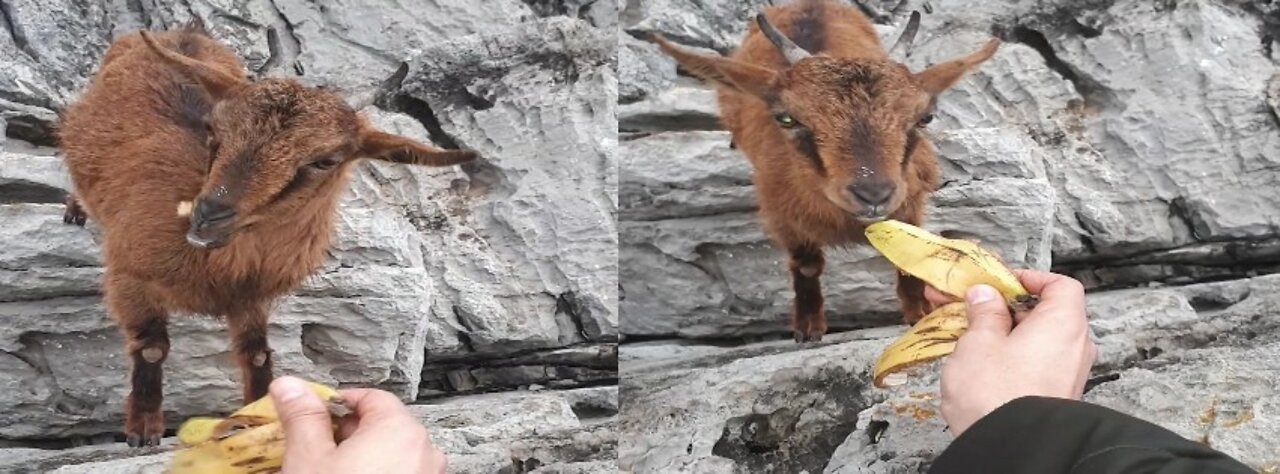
x=381, y=436
x=1047, y=353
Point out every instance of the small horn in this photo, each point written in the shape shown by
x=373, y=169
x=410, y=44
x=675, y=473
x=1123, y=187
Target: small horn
x=215, y=80
x=794, y=53
x=370, y=96
x=902, y=47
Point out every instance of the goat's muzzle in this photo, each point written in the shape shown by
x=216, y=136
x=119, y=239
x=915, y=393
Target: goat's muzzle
x=872, y=199
x=212, y=223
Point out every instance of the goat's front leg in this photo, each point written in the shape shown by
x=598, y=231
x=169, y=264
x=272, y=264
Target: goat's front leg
x=146, y=334
x=911, y=294
x=808, y=322
x=73, y=212
x=252, y=352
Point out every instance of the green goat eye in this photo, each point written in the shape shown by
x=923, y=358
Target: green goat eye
x=785, y=120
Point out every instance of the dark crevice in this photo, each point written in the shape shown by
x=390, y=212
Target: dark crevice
x=273, y=51
x=12, y=192
x=1093, y=92
x=1199, y=262
x=1178, y=209
x=421, y=111
x=485, y=177
x=464, y=336
x=18, y=36
x=33, y=130
x=567, y=303
x=876, y=430
x=286, y=46
x=1094, y=382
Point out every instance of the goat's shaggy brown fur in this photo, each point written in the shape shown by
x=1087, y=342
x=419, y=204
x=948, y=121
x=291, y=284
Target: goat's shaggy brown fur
x=170, y=118
x=833, y=134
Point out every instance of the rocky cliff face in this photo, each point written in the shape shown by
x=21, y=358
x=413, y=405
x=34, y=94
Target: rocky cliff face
x=1131, y=144
x=492, y=277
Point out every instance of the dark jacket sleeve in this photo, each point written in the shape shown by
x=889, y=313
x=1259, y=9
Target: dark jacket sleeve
x=1037, y=435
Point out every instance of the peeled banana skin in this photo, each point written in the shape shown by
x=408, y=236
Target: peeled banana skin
x=951, y=266
x=931, y=338
x=251, y=440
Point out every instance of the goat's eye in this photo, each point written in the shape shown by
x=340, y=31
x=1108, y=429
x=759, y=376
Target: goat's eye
x=785, y=120
x=925, y=120
x=324, y=164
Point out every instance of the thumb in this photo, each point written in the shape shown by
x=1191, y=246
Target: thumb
x=987, y=311
x=308, y=430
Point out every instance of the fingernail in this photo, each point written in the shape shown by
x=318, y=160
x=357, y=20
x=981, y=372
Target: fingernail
x=979, y=294
x=288, y=388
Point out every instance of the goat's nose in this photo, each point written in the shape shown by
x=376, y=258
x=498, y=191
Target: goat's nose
x=209, y=212
x=871, y=194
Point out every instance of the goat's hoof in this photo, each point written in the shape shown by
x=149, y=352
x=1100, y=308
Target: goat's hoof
x=807, y=336
x=136, y=441
x=143, y=429
x=74, y=214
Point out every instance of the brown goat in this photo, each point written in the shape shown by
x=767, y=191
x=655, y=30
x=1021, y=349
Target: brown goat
x=170, y=118
x=832, y=127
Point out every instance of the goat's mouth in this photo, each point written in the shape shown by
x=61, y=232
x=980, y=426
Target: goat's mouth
x=210, y=234
x=862, y=213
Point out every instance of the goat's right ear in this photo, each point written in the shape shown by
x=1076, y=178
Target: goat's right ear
x=384, y=146
x=216, y=81
x=745, y=77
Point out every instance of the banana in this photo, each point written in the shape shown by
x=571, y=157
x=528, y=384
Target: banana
x=951, y=266
x=251, y=440
x=931, y=338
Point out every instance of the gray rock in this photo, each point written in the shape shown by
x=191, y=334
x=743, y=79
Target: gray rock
x=1224, y=397
x=642, y=69
x=531, y=261
x=785, y=407
x=715, y=24
x=683, y=107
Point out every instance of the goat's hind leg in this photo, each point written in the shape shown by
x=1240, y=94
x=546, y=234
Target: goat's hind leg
x=74, y=212
x=252, y=352
x=146, y=334
x=808, y=321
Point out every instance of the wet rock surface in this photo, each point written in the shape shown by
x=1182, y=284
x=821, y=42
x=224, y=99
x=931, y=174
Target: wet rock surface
x=1129, y=144
x=480, y=282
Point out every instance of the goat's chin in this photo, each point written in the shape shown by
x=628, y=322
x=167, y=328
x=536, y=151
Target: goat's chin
x=207, y=242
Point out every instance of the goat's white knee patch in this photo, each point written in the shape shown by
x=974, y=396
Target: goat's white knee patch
x=260, y=359
x=152, y=354
x=810, y=271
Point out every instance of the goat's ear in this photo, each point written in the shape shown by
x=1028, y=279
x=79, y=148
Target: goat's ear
x=745, y=77
x=397, y=149
x=214, y=80
x=941, y=76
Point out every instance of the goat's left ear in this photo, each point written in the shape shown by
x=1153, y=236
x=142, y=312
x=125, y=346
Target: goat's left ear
x=941, y=76
x=397, y=149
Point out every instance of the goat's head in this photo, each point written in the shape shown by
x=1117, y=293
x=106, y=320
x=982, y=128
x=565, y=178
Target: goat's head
x=277, y=146
x=855, y=120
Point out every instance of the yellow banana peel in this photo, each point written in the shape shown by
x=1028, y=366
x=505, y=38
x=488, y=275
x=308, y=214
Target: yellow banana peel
x=931, y=338
x=251, y=440
x=951, y=266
